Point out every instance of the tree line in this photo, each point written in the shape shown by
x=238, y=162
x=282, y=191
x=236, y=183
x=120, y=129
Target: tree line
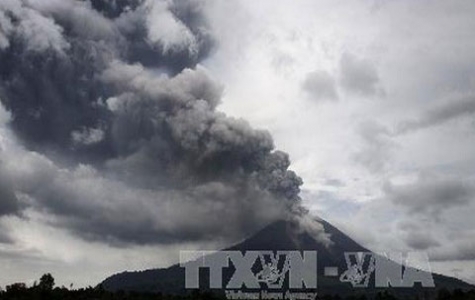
x=45, y=289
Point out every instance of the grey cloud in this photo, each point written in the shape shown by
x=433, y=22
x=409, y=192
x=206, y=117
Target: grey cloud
x=113, y=9
x=5, y=238
x=455, y=109
x=167, y=31
x=9, y=203
x=96, y=206
x=47, y=109
x=431, y=195
x=175, y=121
x=282, y=61
x=460, y=250
x=78, y=19
x=5, y=30
x=88, y=136
x=377, y=146
x=150, y=159
x=334, y=182
x=418, y=235
x=37, y=32
x=332, y=203
x=180, y=90
x=151, y=43
x=359, y=76
x=66, y=98
x=420, y=241
x=320, y=86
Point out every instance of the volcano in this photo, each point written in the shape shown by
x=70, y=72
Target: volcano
x=283, y=236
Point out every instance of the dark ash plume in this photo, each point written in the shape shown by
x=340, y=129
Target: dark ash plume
x=114, y=88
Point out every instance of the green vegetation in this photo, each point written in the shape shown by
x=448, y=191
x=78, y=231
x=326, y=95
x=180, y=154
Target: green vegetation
x=46, y=290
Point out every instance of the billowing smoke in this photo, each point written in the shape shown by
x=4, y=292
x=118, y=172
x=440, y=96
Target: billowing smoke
x=116, y=132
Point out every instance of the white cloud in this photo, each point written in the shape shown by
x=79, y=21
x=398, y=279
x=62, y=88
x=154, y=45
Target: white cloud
x=166, y=30
x=88, y=136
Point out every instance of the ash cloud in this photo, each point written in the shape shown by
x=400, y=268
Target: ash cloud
x=70, y=44
x=116, y=132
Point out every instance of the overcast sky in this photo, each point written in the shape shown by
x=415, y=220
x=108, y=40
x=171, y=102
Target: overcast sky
x=373, y=101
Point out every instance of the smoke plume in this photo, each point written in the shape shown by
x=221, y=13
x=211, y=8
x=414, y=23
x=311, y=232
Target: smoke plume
x=116, y=132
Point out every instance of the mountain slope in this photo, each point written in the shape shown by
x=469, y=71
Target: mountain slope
x=280, y=235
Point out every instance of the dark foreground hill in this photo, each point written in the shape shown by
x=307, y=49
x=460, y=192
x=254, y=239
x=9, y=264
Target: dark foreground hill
x=282, y=235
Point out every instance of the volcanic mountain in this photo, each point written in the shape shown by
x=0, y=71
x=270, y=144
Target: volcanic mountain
x=281, y=235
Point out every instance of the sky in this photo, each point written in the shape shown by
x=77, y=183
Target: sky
x=152, y=121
